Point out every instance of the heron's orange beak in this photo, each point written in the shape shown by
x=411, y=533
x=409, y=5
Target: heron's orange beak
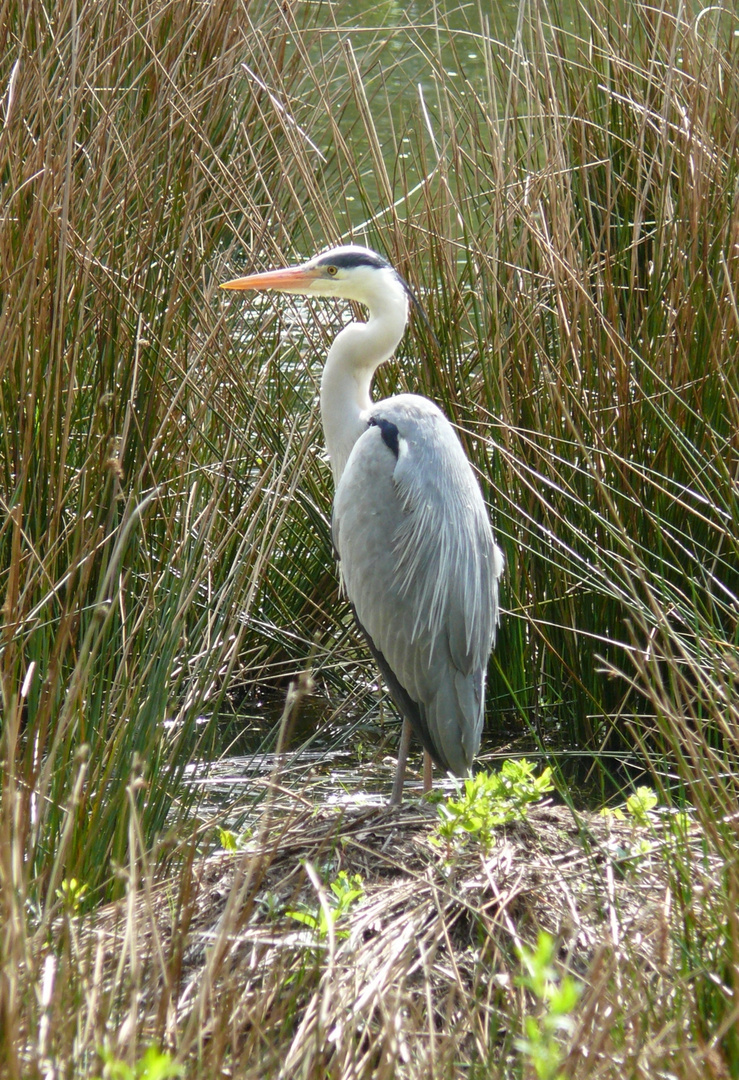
x=292, y=279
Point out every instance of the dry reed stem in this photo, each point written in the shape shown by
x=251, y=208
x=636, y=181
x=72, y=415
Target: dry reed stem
x=426, y=960
x=569, y=217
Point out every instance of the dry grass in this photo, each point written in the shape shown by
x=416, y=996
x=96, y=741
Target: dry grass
x=420, y=977
x=567, y=209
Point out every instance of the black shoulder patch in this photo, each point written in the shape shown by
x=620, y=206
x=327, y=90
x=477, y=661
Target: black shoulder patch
x=389, y=433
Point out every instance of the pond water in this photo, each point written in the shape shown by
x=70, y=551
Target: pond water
x=343, y=754
x=400, y=55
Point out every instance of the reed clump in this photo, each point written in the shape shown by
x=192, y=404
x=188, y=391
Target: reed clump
x=566, y=207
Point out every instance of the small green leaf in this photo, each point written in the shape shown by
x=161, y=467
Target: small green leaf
x=304, y=917
x=640, y=803
x=227, y=840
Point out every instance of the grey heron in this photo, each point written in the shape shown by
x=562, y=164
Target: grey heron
x=417, y=557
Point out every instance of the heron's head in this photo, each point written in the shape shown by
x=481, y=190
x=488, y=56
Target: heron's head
x=350, y=273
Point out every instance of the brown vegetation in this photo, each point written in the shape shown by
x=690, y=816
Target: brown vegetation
x=567, y=211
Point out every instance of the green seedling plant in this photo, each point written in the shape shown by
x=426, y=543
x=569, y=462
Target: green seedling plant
x=637, y=806
x=557, y=995
x=153, y=1065
x=71, y=893
x=231, y=841
x=640, y=803
x=228, y=840
x=234, y=841
x=491, y=799
x=345, y=891
x=271, y=905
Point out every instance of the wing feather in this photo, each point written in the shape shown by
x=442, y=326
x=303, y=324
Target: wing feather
x=420, y=567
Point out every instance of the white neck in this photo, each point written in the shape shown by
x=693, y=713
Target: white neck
x=350, y=366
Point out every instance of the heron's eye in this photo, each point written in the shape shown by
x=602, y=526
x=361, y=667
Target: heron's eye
x=332, y=271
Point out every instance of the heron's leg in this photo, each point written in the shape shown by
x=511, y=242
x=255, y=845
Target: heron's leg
x=405, y=742
x=428, y=772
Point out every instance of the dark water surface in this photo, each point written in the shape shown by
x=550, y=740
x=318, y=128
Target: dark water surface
x=401, y=55
x=345, y=757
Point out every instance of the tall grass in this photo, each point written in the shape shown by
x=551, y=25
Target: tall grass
x=568, y=214
x=141, y=491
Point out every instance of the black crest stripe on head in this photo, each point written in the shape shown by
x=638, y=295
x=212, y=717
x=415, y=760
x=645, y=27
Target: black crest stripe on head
x=347, y=260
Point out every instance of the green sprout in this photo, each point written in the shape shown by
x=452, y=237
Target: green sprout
x=491, y=799
x=345, y=891
x=637, y=806
x=228, y=840
x=558, y=997
x=640, y=803
x=71, y=894
x=232, y=842
x=154, y=1065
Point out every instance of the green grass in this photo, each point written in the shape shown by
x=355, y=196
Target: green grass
x=568, y=214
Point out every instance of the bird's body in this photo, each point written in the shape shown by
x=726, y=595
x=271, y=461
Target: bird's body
x=416, y=552
x=417, y=579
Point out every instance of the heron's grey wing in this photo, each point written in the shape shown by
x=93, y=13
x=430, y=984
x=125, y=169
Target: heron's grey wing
x=419, y=564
